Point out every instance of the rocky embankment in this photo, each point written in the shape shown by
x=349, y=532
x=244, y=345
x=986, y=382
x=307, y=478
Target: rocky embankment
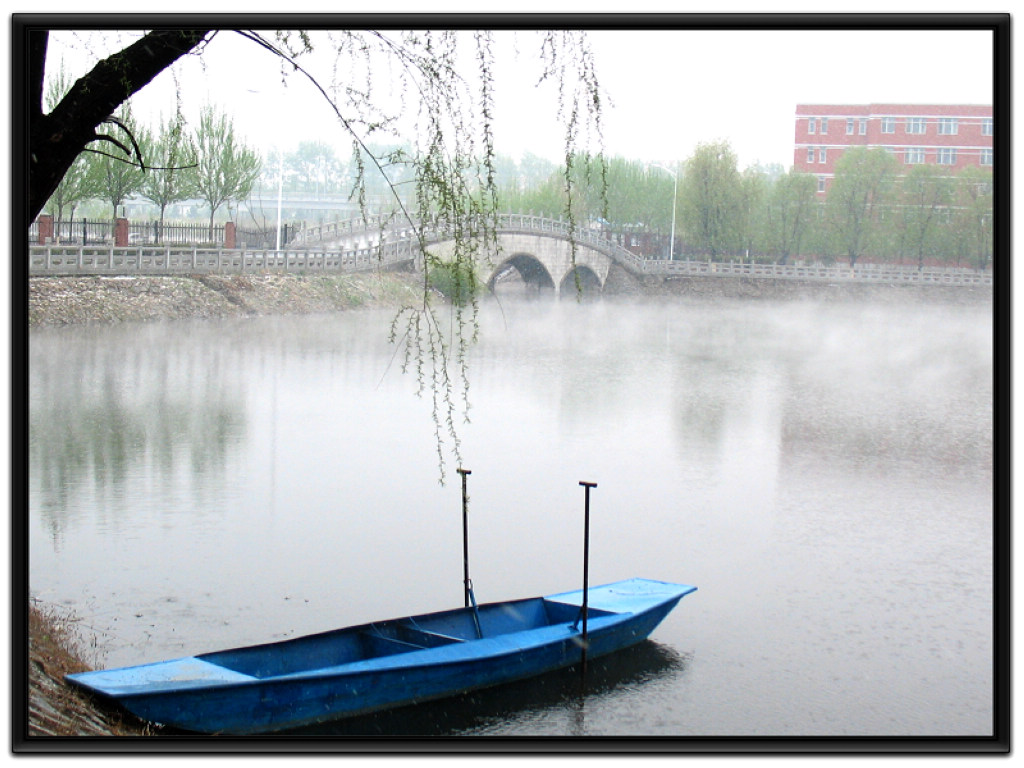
x=764, y=289
x=79, y=300
x=83, y=300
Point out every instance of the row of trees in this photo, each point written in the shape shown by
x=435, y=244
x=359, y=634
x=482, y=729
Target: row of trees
x=318, y=169
x=873, y=209
x=208, y=163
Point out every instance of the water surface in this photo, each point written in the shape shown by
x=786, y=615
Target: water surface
x=822, y=472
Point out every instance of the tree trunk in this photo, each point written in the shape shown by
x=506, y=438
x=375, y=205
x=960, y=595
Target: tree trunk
x=56, y=139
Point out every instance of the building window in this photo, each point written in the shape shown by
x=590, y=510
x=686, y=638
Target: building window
x=824, y=125
x=849, y=126
x=913, y=155
x=947, y=156
x=986, y=157
x=986, y=126
x=810, y=154
x=947, y=126
x=811, y=124
x=821, y=183
x=821, y=154
x=862, y=128
x=915, y=125
x=888, y=125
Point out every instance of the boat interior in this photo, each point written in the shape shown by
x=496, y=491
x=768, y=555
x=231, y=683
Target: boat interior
x=386, y=638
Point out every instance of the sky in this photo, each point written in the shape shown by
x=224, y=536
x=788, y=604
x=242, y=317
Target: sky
x=666, y=90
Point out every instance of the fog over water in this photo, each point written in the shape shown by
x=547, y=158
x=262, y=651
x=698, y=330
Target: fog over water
x=821, y=471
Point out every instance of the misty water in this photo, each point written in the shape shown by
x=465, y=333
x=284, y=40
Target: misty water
x=821, y=471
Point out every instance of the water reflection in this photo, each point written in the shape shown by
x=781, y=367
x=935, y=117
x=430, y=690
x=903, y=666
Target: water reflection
x=567, y=691
x=105, y=410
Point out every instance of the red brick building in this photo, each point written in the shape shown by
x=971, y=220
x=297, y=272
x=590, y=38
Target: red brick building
x=952, y=135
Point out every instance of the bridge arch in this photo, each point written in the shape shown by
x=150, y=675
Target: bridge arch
x=580, y=279
x=530, y=269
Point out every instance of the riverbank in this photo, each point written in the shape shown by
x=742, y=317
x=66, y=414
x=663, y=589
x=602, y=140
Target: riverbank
x=56, y=709
x=707, y=287
x=56, y=301
x=105, y=300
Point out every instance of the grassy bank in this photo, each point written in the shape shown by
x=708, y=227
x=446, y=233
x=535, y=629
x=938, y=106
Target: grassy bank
x=56, y=709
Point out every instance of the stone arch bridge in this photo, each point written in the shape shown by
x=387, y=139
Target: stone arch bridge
x=540, y=250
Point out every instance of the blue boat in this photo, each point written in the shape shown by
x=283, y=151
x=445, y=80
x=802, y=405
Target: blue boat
x=386, y=664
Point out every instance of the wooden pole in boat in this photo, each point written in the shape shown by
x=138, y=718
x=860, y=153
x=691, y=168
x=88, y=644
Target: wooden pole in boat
x=586, y=562
x=465, y=535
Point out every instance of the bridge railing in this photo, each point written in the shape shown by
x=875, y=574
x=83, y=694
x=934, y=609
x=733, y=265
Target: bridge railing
x=108, y=260
x=868, y=273
x=394, y=229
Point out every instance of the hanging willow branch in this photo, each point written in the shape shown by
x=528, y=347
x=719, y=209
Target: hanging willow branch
x=450, y=100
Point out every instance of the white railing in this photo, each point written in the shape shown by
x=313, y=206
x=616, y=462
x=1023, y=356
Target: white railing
x=167, y=260
x=868, y=273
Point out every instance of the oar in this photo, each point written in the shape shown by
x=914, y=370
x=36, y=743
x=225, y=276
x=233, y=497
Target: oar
x=465, y=535
x=586, y=565
x=470, y=598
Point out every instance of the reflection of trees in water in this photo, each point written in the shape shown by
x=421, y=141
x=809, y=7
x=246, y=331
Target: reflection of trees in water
x=474, y=713
x=101, y=411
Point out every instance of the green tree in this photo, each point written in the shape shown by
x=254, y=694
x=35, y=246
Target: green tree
x=639, y=195
x=114, y=178
x=752, y=213
x=972, y=218
x=226, y=169
x=790, y=213
x=859, y=192
x=172, y=176
x=922, y=195
x=77, y=186
x=709, y=194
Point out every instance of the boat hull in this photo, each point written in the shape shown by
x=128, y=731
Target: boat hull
x=292, y=684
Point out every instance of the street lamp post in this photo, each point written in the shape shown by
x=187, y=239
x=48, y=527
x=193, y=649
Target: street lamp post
x=675, y=187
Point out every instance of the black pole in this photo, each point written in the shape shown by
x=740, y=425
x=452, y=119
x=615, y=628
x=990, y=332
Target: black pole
x=465, y=535
x=586, y=561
